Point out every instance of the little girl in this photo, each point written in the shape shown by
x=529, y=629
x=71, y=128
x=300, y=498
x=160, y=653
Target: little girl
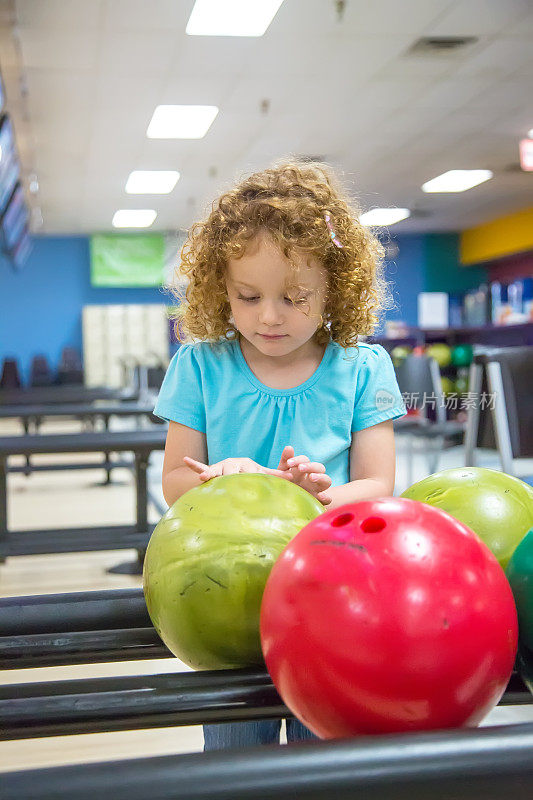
x=283, y=279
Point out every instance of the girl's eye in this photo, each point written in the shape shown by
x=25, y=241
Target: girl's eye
x=288, y=299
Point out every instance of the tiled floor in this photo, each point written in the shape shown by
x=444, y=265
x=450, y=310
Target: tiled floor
x=75, y=499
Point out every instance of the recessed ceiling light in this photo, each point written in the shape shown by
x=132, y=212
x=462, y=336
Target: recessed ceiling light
x=457, y=180
x=530, y=134
x=151, y=181
x=231, y=17
x=377, y=217
x=181, y=122
x=134, y=218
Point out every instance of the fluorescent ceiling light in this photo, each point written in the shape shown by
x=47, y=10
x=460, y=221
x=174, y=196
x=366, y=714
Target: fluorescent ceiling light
x=231, y=17
x=181, y=122
x=457, y=180
x=152, y=181
x=384, y=216
x=134, y=218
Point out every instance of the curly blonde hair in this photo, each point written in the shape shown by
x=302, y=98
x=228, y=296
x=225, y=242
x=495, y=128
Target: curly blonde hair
x=291, y=202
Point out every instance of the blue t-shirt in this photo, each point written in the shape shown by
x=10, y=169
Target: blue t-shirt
x=211, y=388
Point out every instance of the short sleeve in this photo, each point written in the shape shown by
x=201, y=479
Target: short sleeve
x=180, y=398
x=378, y=396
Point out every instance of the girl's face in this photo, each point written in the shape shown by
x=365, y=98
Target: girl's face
x=259, y=292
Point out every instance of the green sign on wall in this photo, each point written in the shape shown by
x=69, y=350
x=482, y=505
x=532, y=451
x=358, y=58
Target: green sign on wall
x=127, y=260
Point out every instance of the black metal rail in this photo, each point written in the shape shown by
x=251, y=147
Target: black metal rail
x=77, y=628
x=93, y=705
x=80, y=647
x=73, y=611
x=481, y=764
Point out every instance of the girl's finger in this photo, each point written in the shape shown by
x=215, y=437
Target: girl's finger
x=297, y=460
x=312, y=466
x=197, y=466
x=322, y=481
x=288, y=452
x=281, y=473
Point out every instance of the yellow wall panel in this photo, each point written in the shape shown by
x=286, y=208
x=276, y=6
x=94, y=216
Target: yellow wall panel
x=501, y=237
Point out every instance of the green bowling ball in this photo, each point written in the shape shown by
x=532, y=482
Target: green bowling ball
x=520, y=575
x=496, y=506
x=448, y=385
x=208, y=560
x=441, y=353
x=462, y=355
x=461, y=383
x=400, y=353
x=524, y=664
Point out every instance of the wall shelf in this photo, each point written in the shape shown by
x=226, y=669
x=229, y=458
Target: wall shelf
x=496, y=335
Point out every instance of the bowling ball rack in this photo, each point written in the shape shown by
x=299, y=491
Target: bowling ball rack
x=465, y=764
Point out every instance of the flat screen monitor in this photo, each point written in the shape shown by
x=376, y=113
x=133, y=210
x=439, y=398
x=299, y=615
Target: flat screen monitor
x=15, y=218
x=8, y=178
x=7, y=140
x=20, y=252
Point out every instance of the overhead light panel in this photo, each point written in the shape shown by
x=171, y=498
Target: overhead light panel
x=181, y=122
x=231, y=17
x=457, y=180
x=378, y=217
x=152, y=181
x=134, y=218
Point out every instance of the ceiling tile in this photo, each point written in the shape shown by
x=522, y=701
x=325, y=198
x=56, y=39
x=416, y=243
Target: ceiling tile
x=479, y=17
x=45, y=49
x=59, y=15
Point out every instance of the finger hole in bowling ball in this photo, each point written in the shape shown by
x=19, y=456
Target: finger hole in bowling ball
x=344, y=519
x=373, y=525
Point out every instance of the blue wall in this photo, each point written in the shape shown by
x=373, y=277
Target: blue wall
x=427, y=263
x=406, y=277
x=41, y=305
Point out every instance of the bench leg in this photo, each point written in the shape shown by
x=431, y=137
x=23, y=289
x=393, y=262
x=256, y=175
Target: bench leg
x=26, y=423
x=141, y=489
x=4, y=534
x=141, y=468
x=141, y=494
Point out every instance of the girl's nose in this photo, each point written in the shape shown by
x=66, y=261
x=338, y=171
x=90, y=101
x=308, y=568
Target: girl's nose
x=270, y=314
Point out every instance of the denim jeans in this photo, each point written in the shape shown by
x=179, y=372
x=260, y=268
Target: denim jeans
x=227, y=735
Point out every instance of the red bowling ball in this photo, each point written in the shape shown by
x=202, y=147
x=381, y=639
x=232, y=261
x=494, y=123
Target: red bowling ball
x=387, y=616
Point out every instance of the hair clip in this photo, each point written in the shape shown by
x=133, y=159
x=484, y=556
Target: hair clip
x=332, y=233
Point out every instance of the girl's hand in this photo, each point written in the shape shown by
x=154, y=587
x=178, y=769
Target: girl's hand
x=230, y=466
x=310, y=475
